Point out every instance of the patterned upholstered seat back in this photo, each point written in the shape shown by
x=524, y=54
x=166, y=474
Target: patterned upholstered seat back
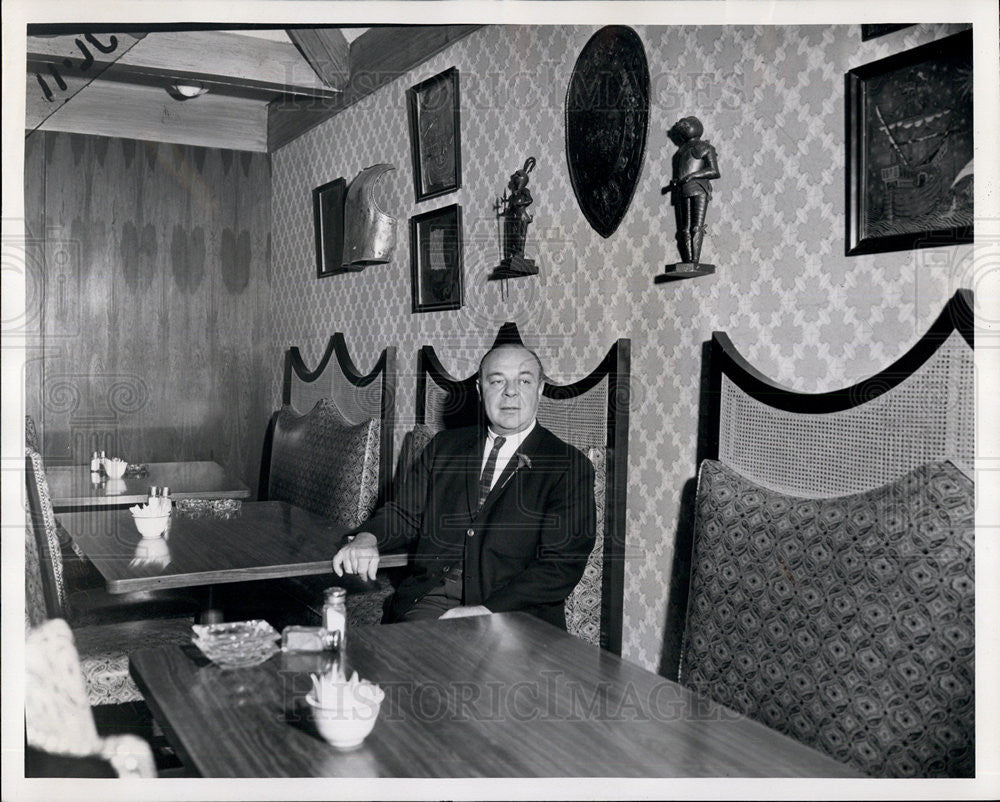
x=323, y=464
x=846, y=623
x=43, y=523
x=414, y=442
x=356, y=397
x=30, y=433
x=584, y=604
x=34, y=595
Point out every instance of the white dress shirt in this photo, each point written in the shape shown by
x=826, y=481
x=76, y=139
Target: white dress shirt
x=506, y=451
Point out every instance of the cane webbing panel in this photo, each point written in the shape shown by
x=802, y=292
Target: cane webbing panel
x=928, y=416
x=354, y=404
x=436, y=401
x=582, y=420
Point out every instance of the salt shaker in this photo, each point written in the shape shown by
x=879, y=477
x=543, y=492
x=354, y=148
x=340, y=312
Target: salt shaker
x=334, y=618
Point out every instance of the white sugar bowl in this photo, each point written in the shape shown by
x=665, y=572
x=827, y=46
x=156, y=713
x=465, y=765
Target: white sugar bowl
x=115, y=468
x=344, y=711
x=151, y=520
x=151, y=526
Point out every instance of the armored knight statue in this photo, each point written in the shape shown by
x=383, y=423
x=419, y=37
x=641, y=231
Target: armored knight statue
x=695, y=165
x=513, y=209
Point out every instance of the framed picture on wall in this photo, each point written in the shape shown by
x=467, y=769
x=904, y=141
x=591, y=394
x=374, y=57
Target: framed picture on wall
x=881, y=29
x=436, y=259
x=328, y=221
x=909, y=149
x=435, y=135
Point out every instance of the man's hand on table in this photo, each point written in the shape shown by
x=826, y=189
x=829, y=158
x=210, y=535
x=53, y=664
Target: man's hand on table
x=360, y=556
x=466, y=610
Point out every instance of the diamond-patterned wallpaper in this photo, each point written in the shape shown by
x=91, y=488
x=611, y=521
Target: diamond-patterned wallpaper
x=771, y=99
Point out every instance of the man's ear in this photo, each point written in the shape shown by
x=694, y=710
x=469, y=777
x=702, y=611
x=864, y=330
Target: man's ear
x=479, y=388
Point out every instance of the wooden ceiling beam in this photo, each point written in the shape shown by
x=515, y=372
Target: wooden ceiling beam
x=145, y=112
x=378, y=56
x=327, y=51
x=225, y=62
x=60, y=66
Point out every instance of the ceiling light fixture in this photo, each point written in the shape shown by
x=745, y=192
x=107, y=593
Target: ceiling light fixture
x=181, y=91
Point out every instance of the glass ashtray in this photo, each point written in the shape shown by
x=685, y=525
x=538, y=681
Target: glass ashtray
x=234, y=633
x=245, y=657
x=239, y=644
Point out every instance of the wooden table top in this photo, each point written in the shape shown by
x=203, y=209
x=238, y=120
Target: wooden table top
x=264, y=540
x=72, y=486
x=492, y=696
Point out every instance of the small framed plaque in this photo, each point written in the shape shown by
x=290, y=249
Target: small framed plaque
x=328, y=221
x=436, y=259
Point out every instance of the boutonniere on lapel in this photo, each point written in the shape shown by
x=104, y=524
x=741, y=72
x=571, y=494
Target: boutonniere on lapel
x=523, y=461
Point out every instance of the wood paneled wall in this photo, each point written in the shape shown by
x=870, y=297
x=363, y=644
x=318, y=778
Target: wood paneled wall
x=151, y=302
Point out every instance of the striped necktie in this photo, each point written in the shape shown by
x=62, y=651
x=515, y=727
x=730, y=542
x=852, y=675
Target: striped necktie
x=486, y=480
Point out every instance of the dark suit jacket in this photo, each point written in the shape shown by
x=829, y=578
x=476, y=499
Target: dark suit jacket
x=524, y=550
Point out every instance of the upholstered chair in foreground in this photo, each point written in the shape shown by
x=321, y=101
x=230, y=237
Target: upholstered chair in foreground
x=57, y=717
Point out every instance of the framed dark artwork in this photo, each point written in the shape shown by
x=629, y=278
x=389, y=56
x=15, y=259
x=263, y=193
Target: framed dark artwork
x=435, y=135
x=607, y=115
x=909, y=149
x=436, y=259
x=328, y=221
x=881, y=29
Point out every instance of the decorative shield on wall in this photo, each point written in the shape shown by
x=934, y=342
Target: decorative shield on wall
x=607, y=114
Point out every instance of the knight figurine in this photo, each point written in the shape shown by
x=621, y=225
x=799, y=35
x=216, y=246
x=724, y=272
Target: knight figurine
x=695, y=165
x=513, y=210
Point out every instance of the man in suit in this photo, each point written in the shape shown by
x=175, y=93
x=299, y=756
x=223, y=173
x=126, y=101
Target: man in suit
x=503, y=518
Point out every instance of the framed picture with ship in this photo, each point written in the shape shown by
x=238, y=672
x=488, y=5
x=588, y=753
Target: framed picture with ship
x=909, y=149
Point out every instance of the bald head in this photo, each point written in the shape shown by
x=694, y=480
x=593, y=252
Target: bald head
x=515, y=347
x=510, y=385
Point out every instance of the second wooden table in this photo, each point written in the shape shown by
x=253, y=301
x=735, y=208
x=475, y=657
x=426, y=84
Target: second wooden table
x=264, y=540
x=73, y=486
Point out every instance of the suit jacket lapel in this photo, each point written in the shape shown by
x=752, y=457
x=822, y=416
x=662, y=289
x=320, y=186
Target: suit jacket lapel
x=528, y=448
